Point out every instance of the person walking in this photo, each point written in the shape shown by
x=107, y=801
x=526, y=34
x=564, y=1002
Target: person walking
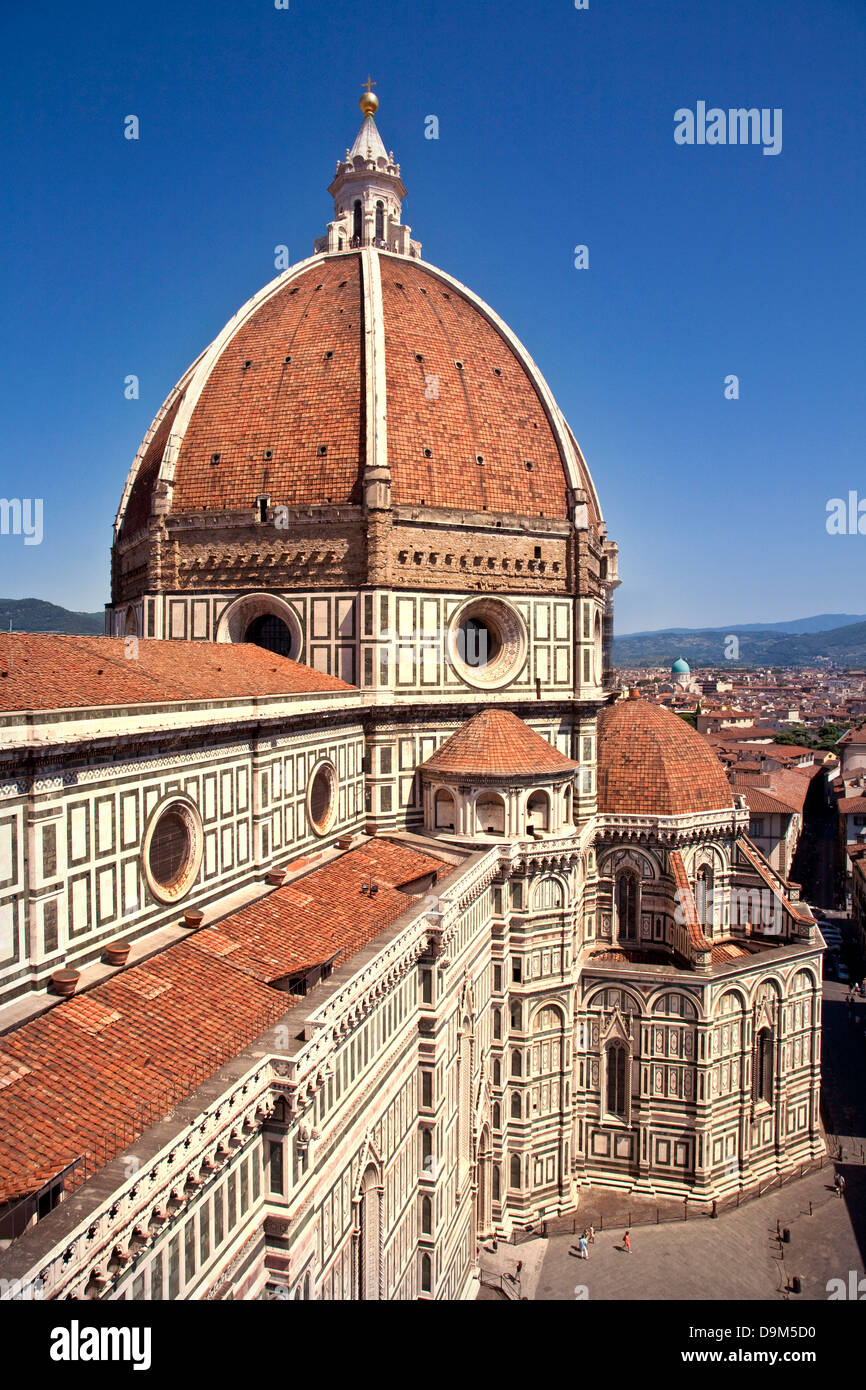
x=626, y=1244
x=591, y=1235
x=841, y=1187
x=581, y=1245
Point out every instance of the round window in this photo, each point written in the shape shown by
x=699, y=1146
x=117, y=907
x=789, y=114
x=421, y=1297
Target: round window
x=487, y=643
x=322, y=798
x=172, y=850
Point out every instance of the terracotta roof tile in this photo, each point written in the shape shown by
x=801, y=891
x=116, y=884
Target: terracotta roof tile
x=54, y=671
x=651, y=762
x=92, y=1073
x=496, y=743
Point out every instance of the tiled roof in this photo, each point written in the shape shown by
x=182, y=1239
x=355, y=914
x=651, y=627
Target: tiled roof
x=852, y=805
x=53, y=671
x=281, y=411
x=687, y=905
x=652, y=762
x=760, y=801
x=777, y=885
x=88, y=1076
x=495, y=743
x=321, y=915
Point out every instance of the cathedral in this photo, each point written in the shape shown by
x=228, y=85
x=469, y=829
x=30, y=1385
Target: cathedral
x=349, y=915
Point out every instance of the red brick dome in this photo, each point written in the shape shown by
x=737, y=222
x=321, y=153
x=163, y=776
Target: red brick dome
x=650, y=762
x=496, y=743
x=278, y=405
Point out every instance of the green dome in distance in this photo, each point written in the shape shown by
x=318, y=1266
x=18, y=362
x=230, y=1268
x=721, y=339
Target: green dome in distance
x=680, y=667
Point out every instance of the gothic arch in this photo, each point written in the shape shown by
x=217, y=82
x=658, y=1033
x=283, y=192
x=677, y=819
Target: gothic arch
x=368, y=1226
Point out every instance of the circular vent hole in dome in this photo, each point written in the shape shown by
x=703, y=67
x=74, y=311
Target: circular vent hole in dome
x=497, y=371
x=322, y=450
x=479, y=458
x=328, y=356
x=428, y=453
x=529, y=465
x=459, y=366
x=287, y=359
x=248, y=363
x=419, y=357
x=214, y=458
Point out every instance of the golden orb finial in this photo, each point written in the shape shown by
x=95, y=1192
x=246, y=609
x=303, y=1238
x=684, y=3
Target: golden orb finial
x=369, y=102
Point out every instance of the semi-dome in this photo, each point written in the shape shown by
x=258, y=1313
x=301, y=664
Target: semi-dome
x=288, y=403
x=651, y=762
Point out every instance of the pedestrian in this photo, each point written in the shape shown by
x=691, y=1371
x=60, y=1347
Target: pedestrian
x=581, y=1245
x=842, y=1185
x=626, y=1243
x=836, y=1180
x=591, y=1236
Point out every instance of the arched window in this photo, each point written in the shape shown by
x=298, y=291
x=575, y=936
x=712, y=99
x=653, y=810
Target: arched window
x=464, y=1098
x=426, y=1216
x=427, y=1151
x=357, y=222
x=496, y=1185
x=538, y=811
x=497, y=1026
x=370, y=1236
x=426, y=1273
x=380, y=221
x=764, y=1066
x=515, y=1171
x=443, y=807
x=627, y=904
x=516, y=1017
x=704, y=895
x=515, y=1105
x=617, y=1071
x=516, y=1062
x=497, y=1073
x=490, y=814
x=497, y=1115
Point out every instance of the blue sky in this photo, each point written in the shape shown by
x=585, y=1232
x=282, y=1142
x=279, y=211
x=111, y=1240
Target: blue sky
x=556, y=129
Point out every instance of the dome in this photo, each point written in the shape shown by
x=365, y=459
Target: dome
x=285, y=403
x=495, y=743
x=651, y=762
x=681, y=667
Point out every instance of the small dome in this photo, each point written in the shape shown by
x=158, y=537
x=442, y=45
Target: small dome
x=650, y=762
x=681, y=667
x=495, y=743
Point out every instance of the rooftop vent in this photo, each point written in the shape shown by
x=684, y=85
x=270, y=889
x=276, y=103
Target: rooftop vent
x=322, y=451
x=215, y=458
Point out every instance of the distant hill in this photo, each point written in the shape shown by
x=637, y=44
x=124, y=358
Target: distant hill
x=35, y=615
x=843, y=646
x=822, y=622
